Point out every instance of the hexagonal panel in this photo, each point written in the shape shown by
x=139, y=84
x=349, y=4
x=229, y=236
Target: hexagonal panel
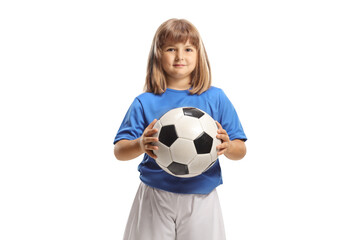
x=188, y=128
x=209, y=125
x=178, y=168
x=163, y=155
x=182, y=151
x=210, y=166
x=168, y=135
x=203, y=143
x=213, y=152
x=193, y=112
x=158, y=127
x=172, y=116
x=200, y=163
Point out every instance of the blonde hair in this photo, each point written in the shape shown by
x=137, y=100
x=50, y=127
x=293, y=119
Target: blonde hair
x=177, y=30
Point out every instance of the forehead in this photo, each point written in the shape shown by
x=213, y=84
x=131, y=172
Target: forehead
x=174, y=43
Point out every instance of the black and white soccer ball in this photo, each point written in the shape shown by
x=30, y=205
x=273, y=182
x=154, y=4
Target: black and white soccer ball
x=187, y=142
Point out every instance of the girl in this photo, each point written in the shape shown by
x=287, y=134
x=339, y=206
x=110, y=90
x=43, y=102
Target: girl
x=178, y=74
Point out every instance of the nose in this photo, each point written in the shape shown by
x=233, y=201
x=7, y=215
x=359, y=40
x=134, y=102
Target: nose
x=179, y=56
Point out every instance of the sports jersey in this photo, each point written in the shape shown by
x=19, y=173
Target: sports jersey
x=149, y=106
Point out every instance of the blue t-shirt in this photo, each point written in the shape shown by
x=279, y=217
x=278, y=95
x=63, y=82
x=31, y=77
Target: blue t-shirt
x=149, y=106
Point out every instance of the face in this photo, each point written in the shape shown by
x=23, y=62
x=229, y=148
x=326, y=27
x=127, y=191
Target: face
x=179, y=61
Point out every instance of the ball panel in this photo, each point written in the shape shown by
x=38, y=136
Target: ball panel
x=209, y=166
x=189, y=175
x=178, y=168
x=209, y=125
x=168, y=135
x=171, y=116
x=163, y=155
x=188, y=127
x=168, y=171
x=193, y=112
x=182, y=151
x=214, y=151
x=199, y=163
x=182, y=176
x=203, y=143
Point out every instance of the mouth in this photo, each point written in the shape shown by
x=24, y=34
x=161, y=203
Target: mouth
x=179, y=65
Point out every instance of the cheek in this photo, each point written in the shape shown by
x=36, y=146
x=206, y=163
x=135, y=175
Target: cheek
x=166, y=60
x=194, y=62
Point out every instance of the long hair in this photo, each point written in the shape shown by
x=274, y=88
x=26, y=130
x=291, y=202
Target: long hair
x=177, y=30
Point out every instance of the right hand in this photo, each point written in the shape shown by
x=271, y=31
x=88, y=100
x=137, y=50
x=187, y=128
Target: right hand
x=146, y=140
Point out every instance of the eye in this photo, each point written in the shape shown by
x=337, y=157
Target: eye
x=170, y=49
x=189, y=50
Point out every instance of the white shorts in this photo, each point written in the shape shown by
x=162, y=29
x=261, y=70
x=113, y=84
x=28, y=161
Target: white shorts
x=162, y=215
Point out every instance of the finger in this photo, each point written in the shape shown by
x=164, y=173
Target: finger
x=152, y=124
x=151, y=147
x=148, y=140
x=223, y=137
x=218, y=125
x=151, y=154
x=221, y=152
x=222, y=131
x=222, y=146
x=150, y=132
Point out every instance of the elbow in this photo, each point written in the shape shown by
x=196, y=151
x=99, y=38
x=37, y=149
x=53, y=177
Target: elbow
x=243, y=153
x=240, y=151
x=117, y=153
x=243, y=150
x=117, y=156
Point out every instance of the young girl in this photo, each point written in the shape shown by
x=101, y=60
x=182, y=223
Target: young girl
x=178, y=75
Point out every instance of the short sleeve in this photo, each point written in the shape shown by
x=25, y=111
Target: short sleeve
x=229, y=118
x=132, y=125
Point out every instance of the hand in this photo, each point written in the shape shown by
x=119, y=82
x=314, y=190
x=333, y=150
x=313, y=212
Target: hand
x=225, y=140
x=146, y=140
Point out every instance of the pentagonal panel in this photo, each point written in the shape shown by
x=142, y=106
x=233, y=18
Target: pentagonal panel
x=200, y=163
x=172, y=116
x=203, y=143
x=182, y=151
x=168, y=135
x=193, y=112
x=163, y=155
x=178, y=168
x=209, y=125
x=188, y=127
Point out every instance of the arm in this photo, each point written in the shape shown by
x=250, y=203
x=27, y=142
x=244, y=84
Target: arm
x=234, y=150
x=127, y=149
x=130, y=149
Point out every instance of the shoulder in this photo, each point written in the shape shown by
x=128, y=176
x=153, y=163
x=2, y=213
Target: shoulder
x=214, y=89
x=146, y=96
x=215, y=92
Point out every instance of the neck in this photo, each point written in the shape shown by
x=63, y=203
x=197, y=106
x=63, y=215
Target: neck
x=178, y=84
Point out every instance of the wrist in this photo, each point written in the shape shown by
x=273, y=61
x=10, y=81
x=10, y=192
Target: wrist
x=138, y=145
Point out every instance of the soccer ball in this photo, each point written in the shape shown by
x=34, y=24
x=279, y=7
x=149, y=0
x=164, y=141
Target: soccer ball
x=187, y=142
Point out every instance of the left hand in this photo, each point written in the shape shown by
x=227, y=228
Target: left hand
x=225, y=140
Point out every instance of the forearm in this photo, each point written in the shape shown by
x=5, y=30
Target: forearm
x=127, y=149
x=236, y=150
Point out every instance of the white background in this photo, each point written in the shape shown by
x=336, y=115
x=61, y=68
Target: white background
x=70, y=69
